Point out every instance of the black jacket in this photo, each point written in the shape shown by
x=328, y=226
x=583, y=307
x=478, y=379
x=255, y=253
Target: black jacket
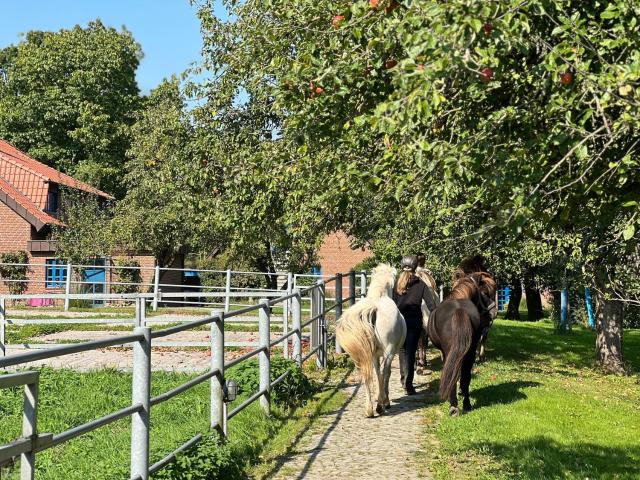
x=410, y=302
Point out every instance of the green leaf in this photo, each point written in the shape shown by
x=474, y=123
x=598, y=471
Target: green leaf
x=629, y=231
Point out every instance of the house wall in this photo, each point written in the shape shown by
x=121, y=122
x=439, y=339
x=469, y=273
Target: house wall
x=337, y=256
x=15, y=232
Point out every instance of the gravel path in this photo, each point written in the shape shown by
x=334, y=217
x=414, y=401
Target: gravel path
x=186, y=336
x=121, y=359
x=348, y=446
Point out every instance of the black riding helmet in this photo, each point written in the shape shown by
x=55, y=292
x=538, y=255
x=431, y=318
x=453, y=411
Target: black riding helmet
x=409, y=263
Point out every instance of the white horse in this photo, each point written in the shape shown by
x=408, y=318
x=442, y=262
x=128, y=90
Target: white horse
x=371, y=330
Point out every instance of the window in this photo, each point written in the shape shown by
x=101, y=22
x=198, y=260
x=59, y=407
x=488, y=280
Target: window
x=55, y=273
x=52, y=202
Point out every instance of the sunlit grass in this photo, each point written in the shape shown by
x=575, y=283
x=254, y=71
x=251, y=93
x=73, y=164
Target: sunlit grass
x=542, y=410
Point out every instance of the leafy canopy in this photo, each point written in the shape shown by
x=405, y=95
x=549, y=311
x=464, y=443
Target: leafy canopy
x=68, y=98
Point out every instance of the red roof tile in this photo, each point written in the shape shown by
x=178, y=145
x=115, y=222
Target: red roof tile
x=24, y=185
x=34, y=169
x=22, y=205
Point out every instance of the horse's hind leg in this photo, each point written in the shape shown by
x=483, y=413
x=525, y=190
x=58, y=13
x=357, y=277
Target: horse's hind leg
x=421, y=357
x=386, y=375
x=403, y=364
x=368, y=404
x=381, y=390
x=465, y=378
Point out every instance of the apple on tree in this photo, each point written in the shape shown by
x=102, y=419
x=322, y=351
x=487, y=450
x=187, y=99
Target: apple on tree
x=337, y=21
x=486, y=74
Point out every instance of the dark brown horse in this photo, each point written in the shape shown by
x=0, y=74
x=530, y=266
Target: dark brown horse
x=472, y=265
x=455, y=327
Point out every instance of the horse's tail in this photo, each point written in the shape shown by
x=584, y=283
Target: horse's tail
x=356, y=334
x=462, y=333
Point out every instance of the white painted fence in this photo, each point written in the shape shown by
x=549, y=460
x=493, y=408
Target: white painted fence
x=212, y=296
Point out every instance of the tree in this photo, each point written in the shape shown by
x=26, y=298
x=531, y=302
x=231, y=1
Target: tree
x=473, y=122
x=159, y=212
x=68, y=98
x=86, y=234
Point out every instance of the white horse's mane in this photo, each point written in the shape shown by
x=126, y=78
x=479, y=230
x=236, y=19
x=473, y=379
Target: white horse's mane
x=383, y=277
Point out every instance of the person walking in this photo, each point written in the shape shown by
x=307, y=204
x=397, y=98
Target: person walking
x=408, y=294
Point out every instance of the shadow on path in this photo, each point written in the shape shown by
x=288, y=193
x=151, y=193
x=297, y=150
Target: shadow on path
x=288, y=454
x=326, y=434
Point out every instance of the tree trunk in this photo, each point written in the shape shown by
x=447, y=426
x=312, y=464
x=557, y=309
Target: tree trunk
x=609, y=315
x=534, y=301
x=513, y=309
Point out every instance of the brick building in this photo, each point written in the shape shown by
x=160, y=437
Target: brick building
x=337, y=256
x=29, y=208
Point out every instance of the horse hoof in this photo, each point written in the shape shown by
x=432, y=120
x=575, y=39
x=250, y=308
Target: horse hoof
x=387, y=405
x=379, y=409
x=467, y=407
x=369, y=413
x=454, y=412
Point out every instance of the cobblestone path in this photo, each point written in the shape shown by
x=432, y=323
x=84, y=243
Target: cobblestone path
x=346, y=445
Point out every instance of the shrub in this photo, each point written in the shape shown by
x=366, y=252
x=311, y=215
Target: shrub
x=127, y=271
x=14, y=272
x=214, y=458
x=292, y=391
x=210, y=458
x=223, y=262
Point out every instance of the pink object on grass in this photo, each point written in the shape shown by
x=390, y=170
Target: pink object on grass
x=40, y=302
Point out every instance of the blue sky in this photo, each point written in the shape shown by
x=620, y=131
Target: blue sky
x=168, y=30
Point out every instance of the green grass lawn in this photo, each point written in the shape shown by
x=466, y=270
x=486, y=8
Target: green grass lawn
x=542, y=411
x=69, y=398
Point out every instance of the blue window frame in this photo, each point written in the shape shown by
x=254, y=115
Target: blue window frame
x=55, y=273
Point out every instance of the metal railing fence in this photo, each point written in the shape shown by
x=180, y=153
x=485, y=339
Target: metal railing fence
x=70, y=280
x=142, y=340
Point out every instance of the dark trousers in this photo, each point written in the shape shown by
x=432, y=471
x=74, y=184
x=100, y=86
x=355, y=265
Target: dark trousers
x=414, y=329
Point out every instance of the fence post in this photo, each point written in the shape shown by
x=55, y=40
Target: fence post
x=218, y=419
x=67, y=287
x=314, y=341
x=363, y=284
x=227, y=289
x=352, y=287
x=338, y=295
x=29, y=429
x=322, y=326
x=286, y=308
x=156, y=287
x=3, y=326
x=296, y=314
x=141, y=390
x=141, y=313
x=265, y=366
